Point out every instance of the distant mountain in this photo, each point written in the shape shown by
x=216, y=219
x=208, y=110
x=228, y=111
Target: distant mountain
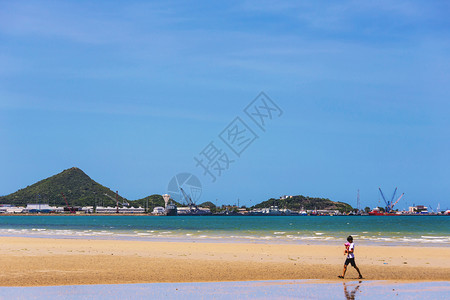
x=307, y=203
x=78, y=188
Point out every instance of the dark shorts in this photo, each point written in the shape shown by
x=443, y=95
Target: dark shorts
x=350, y=261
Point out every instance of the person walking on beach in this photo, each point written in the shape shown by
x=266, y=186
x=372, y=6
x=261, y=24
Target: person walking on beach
x=350, y=251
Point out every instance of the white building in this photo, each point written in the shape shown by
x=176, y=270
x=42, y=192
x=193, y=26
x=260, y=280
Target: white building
x=158, y=210
x=33, y=207
x=10, y=209
x=418, y=208
x=113, y=210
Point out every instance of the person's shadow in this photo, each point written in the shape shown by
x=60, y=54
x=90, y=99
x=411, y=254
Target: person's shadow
x=350, y=295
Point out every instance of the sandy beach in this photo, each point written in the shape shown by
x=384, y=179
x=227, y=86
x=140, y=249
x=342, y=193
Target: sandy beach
x=41, y=262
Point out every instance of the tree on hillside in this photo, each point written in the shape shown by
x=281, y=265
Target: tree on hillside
x=307, y=203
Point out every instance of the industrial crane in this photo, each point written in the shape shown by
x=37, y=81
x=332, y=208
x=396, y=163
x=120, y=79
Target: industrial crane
x=396, y=201
x=189, y=200
x=71, y=209
x=390, y=204
x=124, y=203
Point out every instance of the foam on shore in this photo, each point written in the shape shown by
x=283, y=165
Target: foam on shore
x=217, y=236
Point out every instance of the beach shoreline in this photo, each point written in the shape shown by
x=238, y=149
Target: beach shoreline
x=47, y=261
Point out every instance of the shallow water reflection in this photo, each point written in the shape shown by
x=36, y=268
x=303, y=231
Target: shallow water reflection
x=276, y=289
x=350, y=290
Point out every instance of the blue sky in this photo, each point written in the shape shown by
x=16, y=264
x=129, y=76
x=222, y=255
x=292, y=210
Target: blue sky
x=131, y=91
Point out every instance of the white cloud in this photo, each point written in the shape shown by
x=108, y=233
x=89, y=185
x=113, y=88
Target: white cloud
x=341, y=15
x=89, y=24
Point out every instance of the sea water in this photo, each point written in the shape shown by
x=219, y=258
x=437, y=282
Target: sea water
x=381, y=230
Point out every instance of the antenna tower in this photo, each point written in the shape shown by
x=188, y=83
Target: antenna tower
x=358, y=206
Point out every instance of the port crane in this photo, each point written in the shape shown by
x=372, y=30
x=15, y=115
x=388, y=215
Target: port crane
x=71, y=209
x=189, y=201
x=124, y=203
x=390, y=204
x=434, y=211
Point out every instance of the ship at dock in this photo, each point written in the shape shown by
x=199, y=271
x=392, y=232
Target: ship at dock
x=192, y=209
x=170, y=207
x=389, y=210
x=377, y=212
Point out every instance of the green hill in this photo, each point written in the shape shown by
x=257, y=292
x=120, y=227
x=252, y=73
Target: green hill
x=152, y=201
x=307, y=203
x=79, y=189
x=208, y=204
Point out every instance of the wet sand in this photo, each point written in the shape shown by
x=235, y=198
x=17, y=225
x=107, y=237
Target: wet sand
x=43, y=262
x=279, y=289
